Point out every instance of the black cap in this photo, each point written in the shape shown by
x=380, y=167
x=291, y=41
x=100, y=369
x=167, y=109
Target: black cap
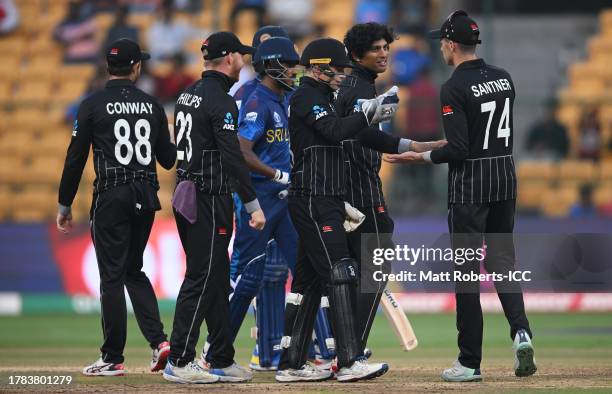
x=266, y=32
x=223, y=43
x=458, y=27
x=325, y=51
x=125, y=52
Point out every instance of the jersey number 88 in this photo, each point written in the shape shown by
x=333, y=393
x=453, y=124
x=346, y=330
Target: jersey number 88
x=142, y=129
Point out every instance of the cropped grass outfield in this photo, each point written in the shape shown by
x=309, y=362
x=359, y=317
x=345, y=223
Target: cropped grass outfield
x=573, y=350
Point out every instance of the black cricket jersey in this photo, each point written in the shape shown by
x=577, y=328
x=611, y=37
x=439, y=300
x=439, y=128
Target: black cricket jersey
x=205, y=129
x=316, y=132
x=128, y=131
x=362, y=152
x=477, y=103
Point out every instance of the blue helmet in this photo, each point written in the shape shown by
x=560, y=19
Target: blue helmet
x=279, y=48
x=267, y=32
x=275, y=58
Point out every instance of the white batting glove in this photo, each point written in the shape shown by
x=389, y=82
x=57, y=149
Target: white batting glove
x=353, y=218
x=381, y=108
x=281, y=177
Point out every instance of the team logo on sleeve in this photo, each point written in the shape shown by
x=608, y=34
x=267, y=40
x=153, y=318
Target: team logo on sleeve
x=447, y=110
x=75, y=128
x=319, y=112
x=356, y=107
x=229, y=122
x=251, y=117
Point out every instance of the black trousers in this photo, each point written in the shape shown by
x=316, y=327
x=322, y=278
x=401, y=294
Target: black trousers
x=206, y=288
x=322, y=243
x=120, y=235
x=375, y=232
x=471, y=225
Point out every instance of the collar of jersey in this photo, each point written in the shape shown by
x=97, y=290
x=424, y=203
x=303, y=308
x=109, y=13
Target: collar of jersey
x=323, y=88
x=266, y=91
x=119, y=82
x=363, y=73
x=225, y=81
x=476, y=63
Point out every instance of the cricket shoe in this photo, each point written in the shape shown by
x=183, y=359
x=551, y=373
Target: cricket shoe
x=524, y=360
x=102, y=368
x=325, y=364
x=256, y=366
x=232, y=374
x=190, y=373
x=308, y=373
x=160, y=356
x=361, y=370
x=459, y=373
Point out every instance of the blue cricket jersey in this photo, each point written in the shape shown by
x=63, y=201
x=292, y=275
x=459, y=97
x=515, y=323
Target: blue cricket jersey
x=263, y=119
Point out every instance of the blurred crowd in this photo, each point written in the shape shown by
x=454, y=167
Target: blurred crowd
x=176, y=63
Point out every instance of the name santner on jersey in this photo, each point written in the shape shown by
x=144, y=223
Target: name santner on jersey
x=489, y=87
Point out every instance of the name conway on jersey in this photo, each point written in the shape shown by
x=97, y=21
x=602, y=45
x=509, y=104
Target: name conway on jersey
x=128, y=130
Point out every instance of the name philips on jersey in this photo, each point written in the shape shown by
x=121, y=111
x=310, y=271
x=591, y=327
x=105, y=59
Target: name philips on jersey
x=491, y=87
x=129, y=108
x=190, y=100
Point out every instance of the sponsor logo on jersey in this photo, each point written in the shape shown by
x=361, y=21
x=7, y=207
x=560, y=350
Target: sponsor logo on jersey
x=222, y=231
x=319, y=112
x=75, y=128
x=251, y=117
x=447, y=110
x=380, y=209
x=229, y=122
x=356, y=107
x=327, y=229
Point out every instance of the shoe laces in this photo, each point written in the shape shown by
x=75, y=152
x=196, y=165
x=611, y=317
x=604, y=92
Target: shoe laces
x=193, y=366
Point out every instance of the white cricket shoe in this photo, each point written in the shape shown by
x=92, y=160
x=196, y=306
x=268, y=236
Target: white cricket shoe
x=102, y=368
x=308, y=373
x=459, y=373
x=524, y=360
x=160, y=356
x=361, y=370
x=190, y=373
x=234, y=373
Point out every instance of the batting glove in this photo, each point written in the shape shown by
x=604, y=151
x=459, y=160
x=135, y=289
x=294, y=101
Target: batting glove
x=353, y=217
x=281, y=177
x=381, y=108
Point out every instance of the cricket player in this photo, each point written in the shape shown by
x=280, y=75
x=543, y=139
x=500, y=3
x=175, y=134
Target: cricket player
x=316, y=206
x=128, y=131
x=206, y=120
x=258, y=282
x=477, y=104
x=368, y=46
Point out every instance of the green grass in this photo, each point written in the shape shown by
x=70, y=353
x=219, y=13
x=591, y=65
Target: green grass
x=561, y=340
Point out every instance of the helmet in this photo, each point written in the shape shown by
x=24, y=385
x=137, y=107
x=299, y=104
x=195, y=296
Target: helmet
x=326, y=52
x=272, y=58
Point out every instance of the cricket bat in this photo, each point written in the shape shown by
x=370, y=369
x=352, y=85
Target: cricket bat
x=399, y=321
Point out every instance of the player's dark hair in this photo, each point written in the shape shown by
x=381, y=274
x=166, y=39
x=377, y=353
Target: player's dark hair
x=464, y=48
x=358, y=40
x=122, y=71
